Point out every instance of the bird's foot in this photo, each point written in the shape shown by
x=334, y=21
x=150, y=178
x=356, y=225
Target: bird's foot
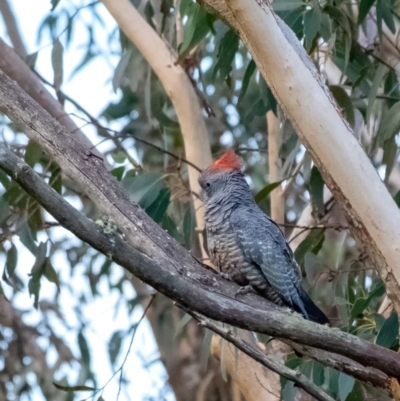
x=225, y=276
x=244, y=290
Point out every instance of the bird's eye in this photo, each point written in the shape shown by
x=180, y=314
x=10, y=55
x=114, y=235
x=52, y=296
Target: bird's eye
x=208, y=184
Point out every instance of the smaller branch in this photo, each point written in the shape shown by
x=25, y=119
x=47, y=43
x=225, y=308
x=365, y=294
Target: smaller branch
x=92, y=120
x=12, y=28
x=257, y=355
x=62, y=97
x=121, y=369
x=337, y=227
x=293, y=177
x=377, y=58
x=364, y=373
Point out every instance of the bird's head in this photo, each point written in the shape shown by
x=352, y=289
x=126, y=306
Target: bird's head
x=223, y=178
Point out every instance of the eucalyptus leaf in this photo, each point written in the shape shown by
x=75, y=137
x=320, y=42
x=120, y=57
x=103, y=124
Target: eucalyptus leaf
x=312, y=243
x=57, y=54
x=365, y=6
x=346, y=384
x=317, y=190
x=389, y=333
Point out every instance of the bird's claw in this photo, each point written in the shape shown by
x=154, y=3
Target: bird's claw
x=244, y=290
x=225, y=276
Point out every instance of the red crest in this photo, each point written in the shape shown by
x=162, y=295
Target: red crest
x=229, y=161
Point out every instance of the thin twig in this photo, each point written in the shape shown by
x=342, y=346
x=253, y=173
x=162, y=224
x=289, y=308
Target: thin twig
x=297, y=377
x=121, y=369
x=291, y=180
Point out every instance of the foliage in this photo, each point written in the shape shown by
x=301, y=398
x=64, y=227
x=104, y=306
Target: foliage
x=354, y=46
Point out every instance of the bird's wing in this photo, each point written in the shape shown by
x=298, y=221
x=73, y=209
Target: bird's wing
x=263, y=243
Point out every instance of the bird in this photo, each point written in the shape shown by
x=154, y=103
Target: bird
x=245, y=244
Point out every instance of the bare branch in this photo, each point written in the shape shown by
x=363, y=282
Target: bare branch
x=12, y=28
x=268, y=362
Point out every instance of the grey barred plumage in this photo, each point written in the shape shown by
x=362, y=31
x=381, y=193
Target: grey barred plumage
x=246, y=244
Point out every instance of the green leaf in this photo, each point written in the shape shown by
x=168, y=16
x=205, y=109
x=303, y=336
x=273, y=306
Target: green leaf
x=53, y=6
x=313, y=267
x=261, y=195
x=226, y=54
x=339, y=16
x=390, y=125
x=362, y=303
x=344, y=102
x=259, y=108
x=57, y=63
x=205, y=349
x=196, y=28
x=51, y=274
x=312, y=23
x=346, y=384
x=286, y=5
x=383, y=13
x=268, y=97
x=118, y=172
x=317, y=190
x=73, y=388
x=389, y=156
x=289, y=392
x=30, y=59
x=56, y=179
x=120, y=69
x=246, y=79
x=312, y=243
x=388, y=334
x=84, y=349
x=4, y=180
x=357, y=393
x=144, y=188
x=342, y=20
x=189, y=223
x=11, y=261
x=183, y=322
x=114, y=346
x=171, y=228
x=90, y=55
x=35, y=220
x=318, y=373
x=37, y=272
x=26, y=237
x=9, y=275
x=365, y=6
x=159, y=207
x=33, y=153
x=380, y=74
x=397, y=198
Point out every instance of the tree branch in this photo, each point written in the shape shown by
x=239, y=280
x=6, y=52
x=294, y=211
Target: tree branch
x=150, y=253
x=18, y=70
x=266, y=361
x=12, y=28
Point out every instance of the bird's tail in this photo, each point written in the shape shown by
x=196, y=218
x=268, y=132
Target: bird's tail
x=313, y=312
